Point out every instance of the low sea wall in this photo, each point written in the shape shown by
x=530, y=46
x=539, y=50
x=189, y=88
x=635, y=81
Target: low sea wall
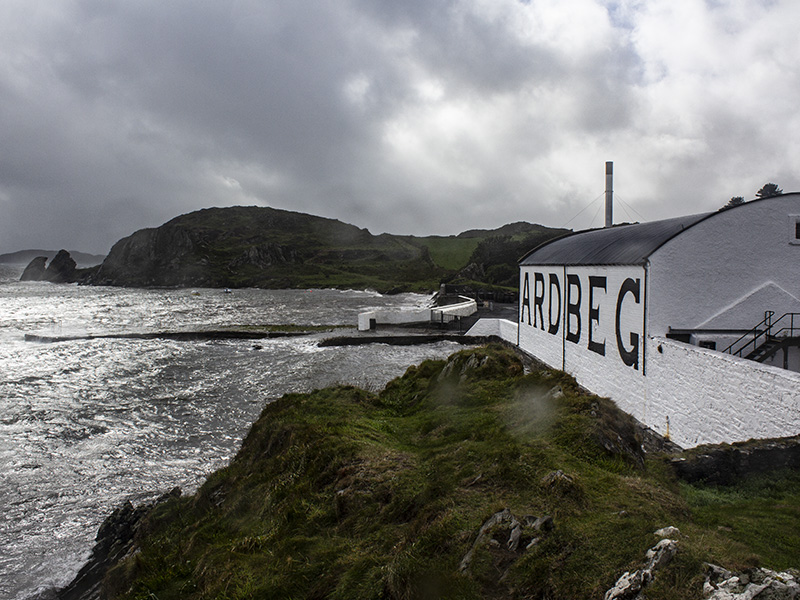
x=371, y=319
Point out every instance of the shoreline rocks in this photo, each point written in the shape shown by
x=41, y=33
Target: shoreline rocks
x=62, y=269
x=114, y=540
x=35, y=270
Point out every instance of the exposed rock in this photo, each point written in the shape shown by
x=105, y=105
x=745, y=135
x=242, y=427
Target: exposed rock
x=61, y=269
x=655, y=443
x=114, y=540
x=559, y=481
x=545, y=523
x=264, y=256
x=473, y=271
x=35, y=269
x=726, y=464
x=617, y=433
x=761, y=584
x=167, y=256
x=630, y=585
x=458, y=366
x=495, y=519
x=555, y=393
x=661, y=554
x=514, y=537
x=668, y=532
x=507, y=537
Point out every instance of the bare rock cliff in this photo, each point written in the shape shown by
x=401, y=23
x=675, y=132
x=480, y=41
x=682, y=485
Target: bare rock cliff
x=166, y=256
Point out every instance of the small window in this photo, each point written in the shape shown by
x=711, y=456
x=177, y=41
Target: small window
x=794, y=229
x=707, y=344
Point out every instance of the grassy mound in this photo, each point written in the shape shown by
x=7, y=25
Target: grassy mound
x=343, y=493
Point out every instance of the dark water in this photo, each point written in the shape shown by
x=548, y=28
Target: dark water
x=87, y=424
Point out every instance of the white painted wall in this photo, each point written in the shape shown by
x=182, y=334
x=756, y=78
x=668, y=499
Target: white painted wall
x=387, y=317
x=568, y=319
x=725, y=271
x=465, y=308
x=713, y=398
x=503, y=328
x=535, y=318
x=608, y=373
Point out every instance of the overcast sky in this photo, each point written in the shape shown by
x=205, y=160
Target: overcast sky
x=404, y=116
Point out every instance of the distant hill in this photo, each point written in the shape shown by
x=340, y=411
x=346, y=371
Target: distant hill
x=23, y=257
x=511, y=229
x=498, y=251
x=272, y=248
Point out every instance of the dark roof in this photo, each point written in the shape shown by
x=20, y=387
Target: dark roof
x=619, y=245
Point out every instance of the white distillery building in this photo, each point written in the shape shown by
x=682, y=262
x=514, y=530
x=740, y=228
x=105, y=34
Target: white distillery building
x=671, y=318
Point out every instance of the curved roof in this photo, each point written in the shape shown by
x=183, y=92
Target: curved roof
x=618, y=245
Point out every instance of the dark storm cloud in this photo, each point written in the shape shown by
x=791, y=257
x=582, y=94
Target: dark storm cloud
x=411, y=117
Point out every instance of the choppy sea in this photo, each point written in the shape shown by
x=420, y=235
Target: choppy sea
x=88, y=423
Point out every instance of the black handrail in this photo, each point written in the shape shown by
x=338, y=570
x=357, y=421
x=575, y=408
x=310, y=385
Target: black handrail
x=766, y=328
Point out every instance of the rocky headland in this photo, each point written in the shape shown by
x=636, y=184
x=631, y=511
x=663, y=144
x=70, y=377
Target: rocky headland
x=271, y=248
x=465, y=478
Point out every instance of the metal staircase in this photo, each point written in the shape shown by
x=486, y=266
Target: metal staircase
x=765, y=350
x=769, y=336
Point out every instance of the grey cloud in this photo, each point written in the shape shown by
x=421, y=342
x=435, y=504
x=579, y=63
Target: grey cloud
x=119, y=115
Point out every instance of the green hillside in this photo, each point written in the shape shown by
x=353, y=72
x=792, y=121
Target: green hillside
x=346, y=493
x=451, y=253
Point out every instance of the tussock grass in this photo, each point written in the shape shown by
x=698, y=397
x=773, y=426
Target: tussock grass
x=346, y=493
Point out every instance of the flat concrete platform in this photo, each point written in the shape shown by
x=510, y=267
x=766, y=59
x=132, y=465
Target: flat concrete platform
x=404, y=339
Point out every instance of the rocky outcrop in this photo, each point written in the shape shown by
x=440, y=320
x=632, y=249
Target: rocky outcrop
x=35, y=270
x=114, y=540
x=507, y=538
x=727, y=464
x=169, y=256
x=62, y=269
x=264, y=256
x=753, y=584
x=631, y=584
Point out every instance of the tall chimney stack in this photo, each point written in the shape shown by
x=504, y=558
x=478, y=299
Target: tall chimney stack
x=609, y=193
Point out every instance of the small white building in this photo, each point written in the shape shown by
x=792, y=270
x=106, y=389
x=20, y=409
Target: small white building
x=659, y=316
